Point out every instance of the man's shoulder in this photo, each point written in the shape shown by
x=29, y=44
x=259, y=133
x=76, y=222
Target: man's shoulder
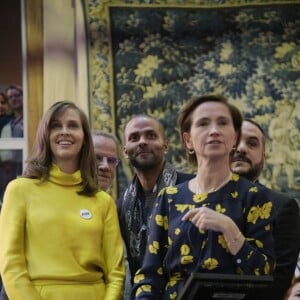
x=279, y=196
x=280, y=199
x=182, y=177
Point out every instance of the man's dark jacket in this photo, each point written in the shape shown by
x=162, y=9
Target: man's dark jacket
x=286, y=234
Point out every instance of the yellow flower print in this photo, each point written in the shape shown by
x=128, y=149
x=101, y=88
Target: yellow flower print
x=235, y=177
x=185, y=249
x=186, y=259
x=161, y=192
x=253, y=189
x=171, y=190
x=239, y=271
x=201, y=231
x=154, y=247
x=199, y=197
x=259, y=244
x=173, y=280
x=259, y=212
x=234, y=194
x=143, y=288
x=249, y=255
x=177, y=231
x=182, y=207
x=166, y=223
x=170, y=240
x=253, y=214
x=173, y=295
x=160, y=271
x=210, y=264
x=146, y=67
x=162, y=221
x=220, y=209
x=138, y=278
x=267, y=268
x=266, y=210
x=159, y=219
x=222, y=242
x=256, y=272
x=268, y=227
x=203, y=244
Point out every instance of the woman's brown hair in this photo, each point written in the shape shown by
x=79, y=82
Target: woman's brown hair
x=184, y=120
x=39, y=162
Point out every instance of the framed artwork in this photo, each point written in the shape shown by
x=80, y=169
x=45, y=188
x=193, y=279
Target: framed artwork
x=149, y=57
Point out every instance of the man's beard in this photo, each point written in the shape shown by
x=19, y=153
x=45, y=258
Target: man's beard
x=144, y=165
x=253, y=172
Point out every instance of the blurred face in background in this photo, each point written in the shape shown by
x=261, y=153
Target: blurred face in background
x=106, y=152
x=248, y=159
x=4, y=108
x=15, y=98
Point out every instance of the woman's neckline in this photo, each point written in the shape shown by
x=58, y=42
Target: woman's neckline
x=211, y=190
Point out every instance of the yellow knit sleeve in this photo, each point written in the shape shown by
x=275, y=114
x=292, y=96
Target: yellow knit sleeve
x=113, y=251
x=12, y=258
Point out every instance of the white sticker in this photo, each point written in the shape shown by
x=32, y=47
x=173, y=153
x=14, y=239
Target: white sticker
x=85, y=214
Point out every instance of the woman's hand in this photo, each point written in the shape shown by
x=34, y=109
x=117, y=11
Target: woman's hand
x=208, y=219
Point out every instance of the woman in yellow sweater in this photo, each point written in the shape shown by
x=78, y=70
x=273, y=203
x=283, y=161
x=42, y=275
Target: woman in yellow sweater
x=60, y=236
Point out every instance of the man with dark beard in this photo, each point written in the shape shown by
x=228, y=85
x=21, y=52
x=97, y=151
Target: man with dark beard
x=145, y=146
x=248, y=161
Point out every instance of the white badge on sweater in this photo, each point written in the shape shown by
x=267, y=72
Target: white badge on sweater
x=85, y=214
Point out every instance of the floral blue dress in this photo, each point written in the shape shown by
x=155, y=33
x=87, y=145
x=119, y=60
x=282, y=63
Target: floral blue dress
x=176, y=248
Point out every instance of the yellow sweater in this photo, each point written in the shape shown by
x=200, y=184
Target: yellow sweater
x=51, y=236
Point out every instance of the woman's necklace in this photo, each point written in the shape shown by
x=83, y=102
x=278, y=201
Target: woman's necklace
x=200, y=191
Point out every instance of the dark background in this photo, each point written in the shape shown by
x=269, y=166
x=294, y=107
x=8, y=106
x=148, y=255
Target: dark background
x=10, y=43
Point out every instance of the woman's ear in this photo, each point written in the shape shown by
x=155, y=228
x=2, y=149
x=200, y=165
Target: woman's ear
x=187, y=140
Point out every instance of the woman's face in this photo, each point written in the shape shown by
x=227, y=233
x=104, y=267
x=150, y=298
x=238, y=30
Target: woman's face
x=295, y=292
x=66, y=137
x=212, y=133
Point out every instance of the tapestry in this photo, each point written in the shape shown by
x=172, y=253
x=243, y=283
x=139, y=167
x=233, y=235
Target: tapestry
x=149, y=57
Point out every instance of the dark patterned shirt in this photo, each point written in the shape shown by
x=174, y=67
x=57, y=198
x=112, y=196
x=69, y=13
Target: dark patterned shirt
x=176, y=248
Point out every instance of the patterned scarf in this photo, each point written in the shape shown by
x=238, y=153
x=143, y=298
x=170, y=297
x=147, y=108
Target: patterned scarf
x=136, y=211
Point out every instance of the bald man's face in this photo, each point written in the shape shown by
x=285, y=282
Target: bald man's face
x=144, y=143
x=248, y=160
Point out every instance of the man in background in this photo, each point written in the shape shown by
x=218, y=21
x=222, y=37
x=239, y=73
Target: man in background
x=14, y=128
x=106, y=147
x=248, y=161
x=145, y=146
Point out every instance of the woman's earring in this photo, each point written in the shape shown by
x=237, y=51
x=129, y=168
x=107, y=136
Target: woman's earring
x=191, y=151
